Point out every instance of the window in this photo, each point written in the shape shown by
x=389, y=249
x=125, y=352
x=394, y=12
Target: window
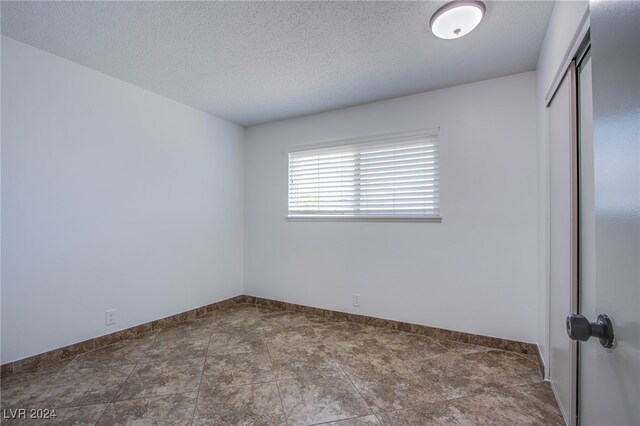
x=388, y=178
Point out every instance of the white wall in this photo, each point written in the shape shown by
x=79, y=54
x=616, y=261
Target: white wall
x=475, y=272
x=113, y=197
x=562, y=28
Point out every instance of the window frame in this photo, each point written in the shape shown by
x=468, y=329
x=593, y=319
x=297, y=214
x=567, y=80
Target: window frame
x=427, y=133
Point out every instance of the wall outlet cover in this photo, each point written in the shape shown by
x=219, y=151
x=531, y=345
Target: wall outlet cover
x=356, y=300
x=110, y=317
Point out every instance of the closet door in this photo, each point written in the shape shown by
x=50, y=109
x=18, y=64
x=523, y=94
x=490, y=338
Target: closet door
x=562, y=138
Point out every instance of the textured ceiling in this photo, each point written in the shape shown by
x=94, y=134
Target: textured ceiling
x=253, y=62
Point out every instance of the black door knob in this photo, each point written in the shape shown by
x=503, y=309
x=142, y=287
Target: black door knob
x=579, y=328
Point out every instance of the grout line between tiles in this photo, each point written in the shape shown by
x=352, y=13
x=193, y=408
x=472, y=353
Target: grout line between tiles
x=135, y=398
x=356, y=388
x=204, y=365
x=379, y=419
x=346, y=375
x=284, y=413
x=116, y=393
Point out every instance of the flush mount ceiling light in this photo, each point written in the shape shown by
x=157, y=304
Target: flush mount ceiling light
x=458, y=18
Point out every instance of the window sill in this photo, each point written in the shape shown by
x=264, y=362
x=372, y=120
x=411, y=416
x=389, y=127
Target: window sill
x=429, y=219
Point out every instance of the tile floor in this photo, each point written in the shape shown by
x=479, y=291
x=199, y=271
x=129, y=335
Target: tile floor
x=253, y=366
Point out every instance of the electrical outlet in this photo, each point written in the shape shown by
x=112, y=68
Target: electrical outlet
x=356, y=300
x=110, y=317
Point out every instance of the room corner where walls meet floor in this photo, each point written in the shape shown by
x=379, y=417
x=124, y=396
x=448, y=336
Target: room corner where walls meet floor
x=39, y=361
x=253, y=362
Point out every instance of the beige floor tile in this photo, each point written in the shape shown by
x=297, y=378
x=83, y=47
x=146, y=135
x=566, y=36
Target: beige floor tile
x=304, y=361
x=197, y=325
x=440, y=414
x=236, y=369
x=507, y=368
x=367, y=358
x=464, y=375
x=122, y=353
x=390, y=393
x=164, y=410
x=87, y=386
x=407, y=346
x=256, y=404
x=173, y=344
x=303, y=335
x=233, y=342
x=505, y=407
x=245, y=317
x=281, y=320
x=315, y=401
x=27, y=390
x=163, y=378
x=542, y=393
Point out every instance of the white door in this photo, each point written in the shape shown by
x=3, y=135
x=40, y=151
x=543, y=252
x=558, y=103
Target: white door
x=609, y=385
x=562, y=138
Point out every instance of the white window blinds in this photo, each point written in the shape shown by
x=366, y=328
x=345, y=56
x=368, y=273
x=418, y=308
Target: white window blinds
x=392, y=178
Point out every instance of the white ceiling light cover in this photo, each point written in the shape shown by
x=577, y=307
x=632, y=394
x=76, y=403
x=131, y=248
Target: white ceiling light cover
x=457, y=19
